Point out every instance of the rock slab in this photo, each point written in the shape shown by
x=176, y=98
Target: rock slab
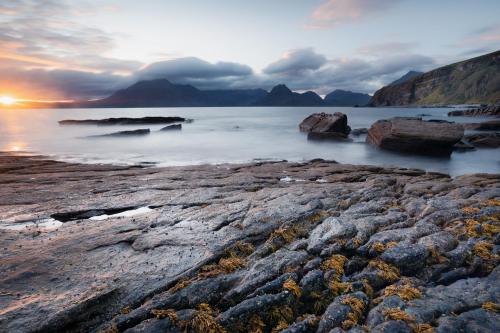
x=413, y=135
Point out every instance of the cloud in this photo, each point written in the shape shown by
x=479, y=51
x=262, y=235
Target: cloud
x=478, y=42
x=334, y=12
x=193, y=68
x=296, y=61
x=42, y=33
x=197, y=72
x=485, y=37
x=355, y=74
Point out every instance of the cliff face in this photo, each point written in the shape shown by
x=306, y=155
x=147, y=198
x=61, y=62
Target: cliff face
x=475, y=80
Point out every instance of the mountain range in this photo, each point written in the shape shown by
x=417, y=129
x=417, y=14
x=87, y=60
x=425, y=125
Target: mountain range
x=163, y=93
x=476, y=80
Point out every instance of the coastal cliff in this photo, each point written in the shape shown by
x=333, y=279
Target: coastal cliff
x=475, y=80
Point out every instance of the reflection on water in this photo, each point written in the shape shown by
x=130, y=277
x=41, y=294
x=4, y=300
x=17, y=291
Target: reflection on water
x=220, y=135
x=15, y=146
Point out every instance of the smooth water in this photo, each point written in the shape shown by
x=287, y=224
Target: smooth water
x=218, y=135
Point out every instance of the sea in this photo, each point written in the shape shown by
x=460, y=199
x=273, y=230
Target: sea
x=223, y=135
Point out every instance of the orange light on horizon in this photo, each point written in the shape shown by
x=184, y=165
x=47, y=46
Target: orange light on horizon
x=7, y=100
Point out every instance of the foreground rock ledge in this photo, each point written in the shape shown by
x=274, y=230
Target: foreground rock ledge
x=287, y=246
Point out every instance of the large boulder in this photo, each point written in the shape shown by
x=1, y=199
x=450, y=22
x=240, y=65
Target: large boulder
x=413, y=135
x=326, y=124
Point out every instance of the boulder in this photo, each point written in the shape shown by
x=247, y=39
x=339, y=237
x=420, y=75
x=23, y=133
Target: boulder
x=413, y=135
x=334, y=125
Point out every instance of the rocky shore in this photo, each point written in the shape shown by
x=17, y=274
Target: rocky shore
x=263, y=247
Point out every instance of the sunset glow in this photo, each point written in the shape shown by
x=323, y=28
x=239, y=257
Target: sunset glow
x=7, y=100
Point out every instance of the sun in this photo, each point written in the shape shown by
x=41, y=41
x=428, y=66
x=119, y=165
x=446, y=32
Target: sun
x=7, y=100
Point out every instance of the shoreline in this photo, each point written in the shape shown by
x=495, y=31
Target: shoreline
x=111, y=262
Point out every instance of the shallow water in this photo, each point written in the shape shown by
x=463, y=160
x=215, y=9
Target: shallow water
x=218, y=135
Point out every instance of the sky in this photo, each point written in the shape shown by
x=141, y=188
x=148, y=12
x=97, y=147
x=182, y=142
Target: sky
x=75, y=50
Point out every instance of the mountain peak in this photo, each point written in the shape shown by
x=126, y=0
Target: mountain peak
x=281, y=89
x=408, y=76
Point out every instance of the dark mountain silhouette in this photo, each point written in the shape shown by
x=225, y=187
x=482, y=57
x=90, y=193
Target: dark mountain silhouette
x=280, y=95
x=163, y=93
x=346, y=98
x=408, y=76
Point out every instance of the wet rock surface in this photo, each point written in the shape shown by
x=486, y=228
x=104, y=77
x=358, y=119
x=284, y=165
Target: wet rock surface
x=413, y=135
x=234, y=248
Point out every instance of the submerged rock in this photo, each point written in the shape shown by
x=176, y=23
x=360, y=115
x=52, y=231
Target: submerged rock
x=413, y=135
x=172, y=127
x=137, y=132
x=123, y=121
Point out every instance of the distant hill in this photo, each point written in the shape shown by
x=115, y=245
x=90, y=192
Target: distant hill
x=346, y=98
x=280, y=95
x=163, y=93
x=475, y=80
x=408, y=76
